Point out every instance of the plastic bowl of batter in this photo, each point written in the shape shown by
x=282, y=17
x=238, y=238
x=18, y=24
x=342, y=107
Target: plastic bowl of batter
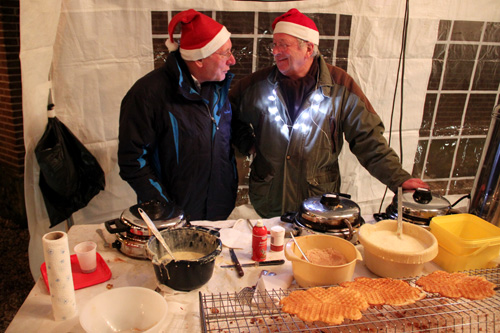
x=388, y=255
x=310, y=274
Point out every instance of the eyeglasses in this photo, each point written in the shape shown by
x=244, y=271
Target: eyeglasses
x=279, y=46
x=226, y=54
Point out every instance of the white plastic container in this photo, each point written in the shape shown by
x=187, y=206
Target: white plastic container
x=130, y=309
x=387, y=259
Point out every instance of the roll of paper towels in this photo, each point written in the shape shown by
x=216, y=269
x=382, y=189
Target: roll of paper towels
x=59, y=275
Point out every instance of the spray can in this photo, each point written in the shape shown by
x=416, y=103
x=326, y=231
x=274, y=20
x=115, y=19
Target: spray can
x=259, y=241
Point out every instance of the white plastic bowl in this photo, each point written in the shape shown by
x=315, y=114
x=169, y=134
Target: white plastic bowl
x=387, y=259
x=128, y=309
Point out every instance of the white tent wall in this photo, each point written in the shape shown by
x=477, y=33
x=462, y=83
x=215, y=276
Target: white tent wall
x=98, y=49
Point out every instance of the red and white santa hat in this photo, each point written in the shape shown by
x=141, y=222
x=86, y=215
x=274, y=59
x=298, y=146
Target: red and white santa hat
x=200, y=35
x=296, y=24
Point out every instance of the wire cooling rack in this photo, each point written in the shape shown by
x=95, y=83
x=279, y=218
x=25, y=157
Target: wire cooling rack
x=228, y=312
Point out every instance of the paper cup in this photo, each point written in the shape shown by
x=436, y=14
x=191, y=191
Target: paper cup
x=86, y=254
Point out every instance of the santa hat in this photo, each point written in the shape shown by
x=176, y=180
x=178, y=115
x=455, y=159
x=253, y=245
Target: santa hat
x=296, y=24
x=200, y=35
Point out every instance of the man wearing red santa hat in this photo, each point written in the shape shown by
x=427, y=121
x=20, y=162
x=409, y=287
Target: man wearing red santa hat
x=174, y=136
x=294, y=117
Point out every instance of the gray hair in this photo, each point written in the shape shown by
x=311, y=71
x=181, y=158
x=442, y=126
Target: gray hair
x=315, y=46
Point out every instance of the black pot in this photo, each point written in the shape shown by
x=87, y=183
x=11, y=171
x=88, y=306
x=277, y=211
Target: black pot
x=185, y=275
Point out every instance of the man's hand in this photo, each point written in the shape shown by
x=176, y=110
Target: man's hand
x=414, y=183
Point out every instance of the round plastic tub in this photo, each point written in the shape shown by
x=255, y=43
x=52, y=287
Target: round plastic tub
x=125, y=309
x=388, y=258
x=307, y=274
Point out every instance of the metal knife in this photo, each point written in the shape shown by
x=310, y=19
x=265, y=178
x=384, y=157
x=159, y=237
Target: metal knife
x=257, y=263
x=236, y=263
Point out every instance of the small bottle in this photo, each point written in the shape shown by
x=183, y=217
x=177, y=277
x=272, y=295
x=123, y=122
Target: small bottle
x=277, y=238
x=259, y=241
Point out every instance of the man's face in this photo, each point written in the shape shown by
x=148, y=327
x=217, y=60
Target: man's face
x=291, y=57
x=217, y=64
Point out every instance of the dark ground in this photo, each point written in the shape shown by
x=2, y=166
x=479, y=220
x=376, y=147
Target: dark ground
x=16, y=280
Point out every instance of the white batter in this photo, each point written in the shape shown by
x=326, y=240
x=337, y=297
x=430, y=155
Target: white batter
x=183, y=255
x=403, y=243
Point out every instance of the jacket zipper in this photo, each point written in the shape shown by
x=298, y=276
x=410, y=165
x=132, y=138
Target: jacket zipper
x=210, y=115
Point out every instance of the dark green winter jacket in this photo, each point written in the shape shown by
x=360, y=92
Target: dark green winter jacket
x=295, y=161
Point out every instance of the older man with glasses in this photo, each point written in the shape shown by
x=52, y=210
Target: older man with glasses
x=175, y=124
x=294, y=116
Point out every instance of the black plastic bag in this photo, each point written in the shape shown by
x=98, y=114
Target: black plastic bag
x=70, y=176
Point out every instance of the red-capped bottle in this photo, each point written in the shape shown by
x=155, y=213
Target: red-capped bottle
x=259, y=241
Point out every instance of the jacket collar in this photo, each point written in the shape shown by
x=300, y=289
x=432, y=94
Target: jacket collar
x=185, y=83
x=323, y=82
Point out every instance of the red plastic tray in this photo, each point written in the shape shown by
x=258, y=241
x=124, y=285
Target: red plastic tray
x=81, y=280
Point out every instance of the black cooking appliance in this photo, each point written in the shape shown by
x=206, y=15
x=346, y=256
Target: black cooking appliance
x=419, y=207
x=332, y=213
x=132, y=233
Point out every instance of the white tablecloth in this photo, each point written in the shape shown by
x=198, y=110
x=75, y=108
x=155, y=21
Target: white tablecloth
x=35, y=315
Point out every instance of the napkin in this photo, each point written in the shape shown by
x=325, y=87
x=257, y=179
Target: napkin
x=232, y=238
x=267, y=286
x=238, y=236
x=59, y=274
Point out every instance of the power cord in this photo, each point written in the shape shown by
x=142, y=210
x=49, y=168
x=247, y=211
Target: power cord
x=401, y=69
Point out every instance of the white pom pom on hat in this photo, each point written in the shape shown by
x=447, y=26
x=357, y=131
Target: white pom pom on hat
x=201, y=35
x=296, y=24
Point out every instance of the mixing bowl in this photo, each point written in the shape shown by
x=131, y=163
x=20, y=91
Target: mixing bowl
x=126, y=309
x=190, y=274
x=307, y=274
x=387, y=255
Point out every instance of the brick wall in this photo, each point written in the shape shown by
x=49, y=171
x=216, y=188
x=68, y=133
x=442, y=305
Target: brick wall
x=11, y=116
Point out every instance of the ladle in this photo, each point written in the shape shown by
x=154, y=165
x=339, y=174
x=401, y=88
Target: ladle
x=297, y=244
x=155, y=231
x=399, y=230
